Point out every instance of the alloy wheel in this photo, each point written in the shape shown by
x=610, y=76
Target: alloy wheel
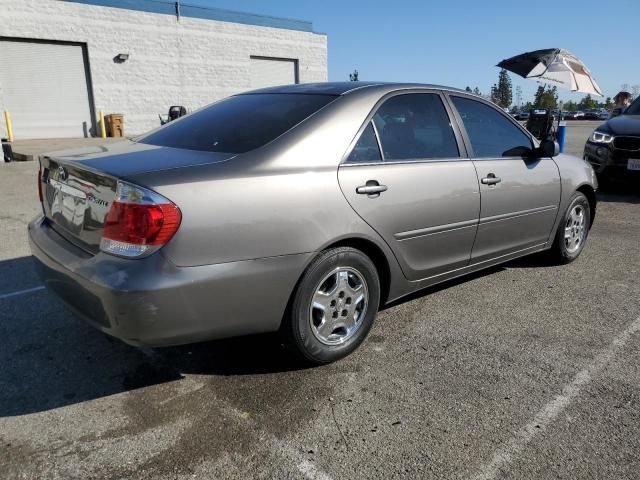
x=575, y=229
x=338, y=306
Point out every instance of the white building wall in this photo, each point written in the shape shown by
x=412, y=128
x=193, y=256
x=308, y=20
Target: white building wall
x=190, y=62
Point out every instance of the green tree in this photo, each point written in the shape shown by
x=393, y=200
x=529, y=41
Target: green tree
x=494, y=94
x=468, y=89
x=546, y=97
x=570, y=106
x=354, y=76
x=588, y=103
x=477, y=91
x=501, y=93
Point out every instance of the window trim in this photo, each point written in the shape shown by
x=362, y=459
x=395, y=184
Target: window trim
x=358, y=138
x=457, y=132
x=467, y=140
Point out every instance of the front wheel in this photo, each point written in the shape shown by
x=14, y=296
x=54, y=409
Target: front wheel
x=333, y=307
x=573, y=230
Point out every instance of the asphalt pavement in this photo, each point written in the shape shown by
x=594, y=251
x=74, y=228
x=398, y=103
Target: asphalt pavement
x=526, y=370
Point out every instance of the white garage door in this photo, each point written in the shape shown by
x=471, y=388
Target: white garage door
x=269, y=72
x=44, y=88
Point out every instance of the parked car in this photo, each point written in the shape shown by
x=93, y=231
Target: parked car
x=300, y=209
x=604, y=114
x=592, y=114
x=613, y=149
x=522, y=116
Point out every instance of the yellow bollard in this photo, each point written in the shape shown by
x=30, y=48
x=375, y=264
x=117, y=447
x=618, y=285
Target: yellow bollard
x=7, y=119
x=103, y=131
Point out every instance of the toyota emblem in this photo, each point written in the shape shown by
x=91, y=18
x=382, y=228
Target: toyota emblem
x=62, y=173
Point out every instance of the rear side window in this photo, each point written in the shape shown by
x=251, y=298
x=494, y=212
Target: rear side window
x=491, y=134
x=415, y=126
x=366, y=149
x=238, y=124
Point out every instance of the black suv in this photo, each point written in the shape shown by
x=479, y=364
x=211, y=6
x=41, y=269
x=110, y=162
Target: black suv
x=614, y=147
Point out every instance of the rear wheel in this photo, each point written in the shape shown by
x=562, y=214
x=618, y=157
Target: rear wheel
x=333, y=307
x=573, y=230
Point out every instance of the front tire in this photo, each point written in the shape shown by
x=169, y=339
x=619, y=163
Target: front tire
x=573, y=230
x=333, y=307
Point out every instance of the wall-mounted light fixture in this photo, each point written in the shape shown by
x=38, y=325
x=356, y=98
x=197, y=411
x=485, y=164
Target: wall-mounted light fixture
x=121, y=58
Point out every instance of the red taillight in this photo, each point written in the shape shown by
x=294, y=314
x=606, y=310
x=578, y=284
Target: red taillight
x=141, y=224
x=40, y=185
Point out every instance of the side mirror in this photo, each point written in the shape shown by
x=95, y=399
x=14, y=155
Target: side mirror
x=547, y=148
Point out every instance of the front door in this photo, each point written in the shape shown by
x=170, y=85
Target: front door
x=519, y=195
x=407, y=178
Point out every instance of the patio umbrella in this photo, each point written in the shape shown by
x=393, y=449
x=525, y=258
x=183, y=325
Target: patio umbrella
x=554, y=65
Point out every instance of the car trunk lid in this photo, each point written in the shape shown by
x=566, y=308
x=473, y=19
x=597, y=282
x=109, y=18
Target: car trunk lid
x=79, y=185
x=76, y=201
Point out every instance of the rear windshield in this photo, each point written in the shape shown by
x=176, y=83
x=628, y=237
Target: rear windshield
x=238, y=124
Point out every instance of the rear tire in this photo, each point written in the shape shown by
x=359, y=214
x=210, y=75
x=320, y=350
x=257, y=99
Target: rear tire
x=333, y=307
x=573, y=230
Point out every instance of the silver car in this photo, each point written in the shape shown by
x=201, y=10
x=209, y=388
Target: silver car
x=301, y=209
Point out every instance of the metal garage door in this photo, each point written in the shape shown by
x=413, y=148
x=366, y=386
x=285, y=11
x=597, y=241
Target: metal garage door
x=269, y=72
x=44, y=88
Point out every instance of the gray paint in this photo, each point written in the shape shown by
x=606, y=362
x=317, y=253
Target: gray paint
x=254, y=222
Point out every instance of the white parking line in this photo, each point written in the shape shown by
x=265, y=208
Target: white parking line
x=20, y=292
x=545, y=416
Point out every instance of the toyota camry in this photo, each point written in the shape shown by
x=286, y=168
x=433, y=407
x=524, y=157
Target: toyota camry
x=301, y=209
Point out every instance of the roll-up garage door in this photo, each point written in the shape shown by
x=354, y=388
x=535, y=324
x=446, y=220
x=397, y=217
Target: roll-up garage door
x=44, y=87
x=269, y=72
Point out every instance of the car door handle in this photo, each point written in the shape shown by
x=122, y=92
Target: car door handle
x=371, y=188
x=490, y=179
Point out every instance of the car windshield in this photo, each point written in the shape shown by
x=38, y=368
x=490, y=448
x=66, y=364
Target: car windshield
x=238, y=124
x=634, y=108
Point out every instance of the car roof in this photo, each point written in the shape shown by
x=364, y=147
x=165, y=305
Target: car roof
x=344, y=88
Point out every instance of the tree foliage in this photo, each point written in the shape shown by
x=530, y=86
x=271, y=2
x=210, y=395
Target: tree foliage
x=546, y=97
x=502, y=93
x=588, y=103
x=354, y=76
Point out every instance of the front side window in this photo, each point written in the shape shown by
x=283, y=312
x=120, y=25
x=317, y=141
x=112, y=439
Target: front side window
x=491, y=134
x=415, y=126
x=238, y=124
x=366, y=149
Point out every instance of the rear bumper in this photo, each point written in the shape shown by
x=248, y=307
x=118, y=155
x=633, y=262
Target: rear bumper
x=152, y=302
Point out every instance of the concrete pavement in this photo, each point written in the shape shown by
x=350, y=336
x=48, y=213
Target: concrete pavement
x=527, y=370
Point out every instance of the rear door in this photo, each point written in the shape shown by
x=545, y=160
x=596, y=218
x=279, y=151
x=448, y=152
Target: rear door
x=408, y=177
x=519, y=195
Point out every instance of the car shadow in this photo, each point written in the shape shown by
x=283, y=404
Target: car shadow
x=617, y=191
x=619, y=195
x=444, y=285
x=51, y=359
